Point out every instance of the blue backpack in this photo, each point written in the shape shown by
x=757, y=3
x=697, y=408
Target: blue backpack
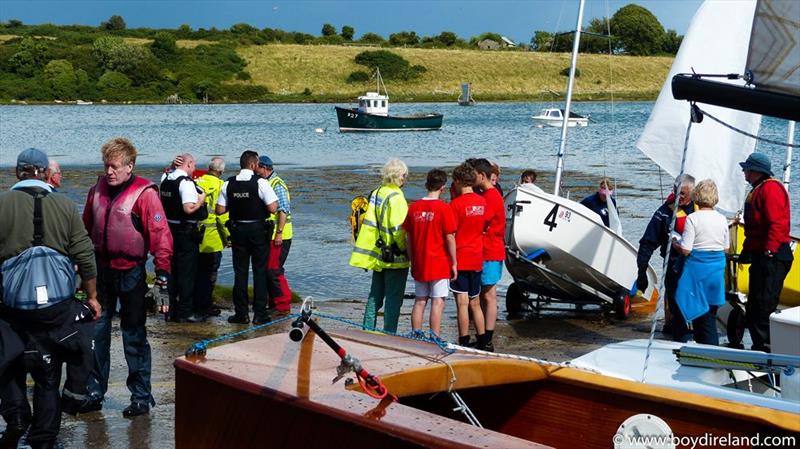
x=40, y=276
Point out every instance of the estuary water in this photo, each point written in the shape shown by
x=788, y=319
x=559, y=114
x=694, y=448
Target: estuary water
x=325, y=168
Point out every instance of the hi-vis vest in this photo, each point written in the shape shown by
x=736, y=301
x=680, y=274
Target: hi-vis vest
x=387, y=206
x=274, y=181
x=214, y=224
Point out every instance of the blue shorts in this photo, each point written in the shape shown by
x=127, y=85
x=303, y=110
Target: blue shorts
x=468, y=282
x=492, y=272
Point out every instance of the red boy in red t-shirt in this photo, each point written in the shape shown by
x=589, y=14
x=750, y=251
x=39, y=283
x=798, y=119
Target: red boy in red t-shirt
x=430, y=230
x=469, y=209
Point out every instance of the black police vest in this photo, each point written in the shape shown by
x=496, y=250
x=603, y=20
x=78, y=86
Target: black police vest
x=243, y=200
x=173, y=205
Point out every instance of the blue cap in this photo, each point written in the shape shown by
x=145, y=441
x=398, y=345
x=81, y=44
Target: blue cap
x=33, y=158
x=757, y=162
x=265, y=161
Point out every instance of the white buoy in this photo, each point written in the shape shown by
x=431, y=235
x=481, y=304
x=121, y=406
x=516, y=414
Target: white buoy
x=319, y=130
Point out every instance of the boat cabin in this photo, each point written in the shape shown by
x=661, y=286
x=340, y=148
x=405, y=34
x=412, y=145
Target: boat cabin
x=374, y=103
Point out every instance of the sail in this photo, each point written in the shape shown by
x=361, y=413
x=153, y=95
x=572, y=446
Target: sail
x=716, y=42
x=774, y=53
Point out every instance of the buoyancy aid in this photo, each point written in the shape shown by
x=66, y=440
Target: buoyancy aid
x=275, y=181
x=114, y=234
x=383, y=220
x=173, y=204
x=243, y=200
x=215, y=230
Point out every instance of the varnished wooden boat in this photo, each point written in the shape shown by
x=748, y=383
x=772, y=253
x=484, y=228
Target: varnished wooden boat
x=272, y=392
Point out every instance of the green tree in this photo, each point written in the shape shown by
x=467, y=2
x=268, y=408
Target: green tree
x=112, y=53
x=348, y=32
x=372, y=38
x=404, y=38
x=672, y=42
x=111, y=81
x=243, y=28
x=328, y=30
x=392, y=65
x=541, y=41
x=447, y=38
x=637, y=31
x=114, y=23
x=14, y=23
x=30, y=57
x=163, y=46
x=60, y=77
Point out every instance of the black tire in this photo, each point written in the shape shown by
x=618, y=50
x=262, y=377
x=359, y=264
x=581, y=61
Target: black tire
x=622, y=306
x=515, y=300
x=735, y=327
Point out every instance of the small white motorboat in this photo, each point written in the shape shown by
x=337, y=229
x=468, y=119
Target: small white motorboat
x=555, y=117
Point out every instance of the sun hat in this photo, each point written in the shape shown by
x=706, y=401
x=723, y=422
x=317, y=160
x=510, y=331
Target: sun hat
x=757, y=162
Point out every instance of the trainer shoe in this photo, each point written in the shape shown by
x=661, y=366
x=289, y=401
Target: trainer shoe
x=239, y=319
x=261, y=319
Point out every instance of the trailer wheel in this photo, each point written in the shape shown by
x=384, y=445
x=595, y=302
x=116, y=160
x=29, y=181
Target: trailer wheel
x=735, y=327
x=514, y=301
x=622, y=306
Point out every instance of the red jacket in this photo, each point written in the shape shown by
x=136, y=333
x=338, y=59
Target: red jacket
x=147, y=208
x=766, y=217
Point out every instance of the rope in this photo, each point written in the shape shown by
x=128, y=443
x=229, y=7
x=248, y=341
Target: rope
x=662, y=281
x=522, y=358
x=752, y=136
x=200, y=348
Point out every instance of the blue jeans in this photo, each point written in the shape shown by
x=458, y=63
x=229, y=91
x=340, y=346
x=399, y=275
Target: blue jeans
x=128, y=287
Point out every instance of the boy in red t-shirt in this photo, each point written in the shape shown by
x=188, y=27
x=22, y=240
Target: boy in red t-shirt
x=494, y=247
x=469, y=209
x=430, y=230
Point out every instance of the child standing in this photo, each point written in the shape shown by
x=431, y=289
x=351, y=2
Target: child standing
x=430, y=229
x=469, y=209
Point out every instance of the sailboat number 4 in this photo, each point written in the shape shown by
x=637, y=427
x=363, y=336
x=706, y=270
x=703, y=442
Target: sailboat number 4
x=550, y=219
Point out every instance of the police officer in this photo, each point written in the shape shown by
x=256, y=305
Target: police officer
x=280, y=297
x=250, y=200
x=43, y=236
x=184, y=207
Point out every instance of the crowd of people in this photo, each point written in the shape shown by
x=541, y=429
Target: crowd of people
x=187, y=220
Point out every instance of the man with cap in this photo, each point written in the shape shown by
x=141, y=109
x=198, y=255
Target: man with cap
x=766, y=245
x=280, y=297
x=42, y=239
x=250, y=200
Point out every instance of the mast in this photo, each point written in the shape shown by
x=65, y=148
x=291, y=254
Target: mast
x=787, y=167
x=564, y=125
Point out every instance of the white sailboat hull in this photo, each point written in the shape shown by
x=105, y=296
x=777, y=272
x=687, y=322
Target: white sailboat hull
x=556, y=123
x=559, y=248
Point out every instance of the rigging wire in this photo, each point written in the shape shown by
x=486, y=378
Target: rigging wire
x=745, y=133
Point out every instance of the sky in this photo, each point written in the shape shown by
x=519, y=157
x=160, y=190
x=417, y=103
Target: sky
x=516, y=20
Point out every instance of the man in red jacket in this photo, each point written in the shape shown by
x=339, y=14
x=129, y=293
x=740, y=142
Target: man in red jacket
x=766, y=245
x=125, y=219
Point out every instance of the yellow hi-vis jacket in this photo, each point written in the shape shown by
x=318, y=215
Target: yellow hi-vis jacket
x=216, y=233
x=387, y=207
x=274, y=181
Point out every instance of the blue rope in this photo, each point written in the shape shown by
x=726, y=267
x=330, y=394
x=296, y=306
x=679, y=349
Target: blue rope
x=201, y=347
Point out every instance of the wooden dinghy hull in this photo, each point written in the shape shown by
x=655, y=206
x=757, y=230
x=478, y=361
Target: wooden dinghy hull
x=270, y=392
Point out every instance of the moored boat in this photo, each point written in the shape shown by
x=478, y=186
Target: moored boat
x=555, y=117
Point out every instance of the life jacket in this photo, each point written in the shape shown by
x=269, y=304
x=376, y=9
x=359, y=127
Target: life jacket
x=39, y=276
x=114, y=219
x=358, y=210
x=215, y=230
x=274, y=181
x=680, y=217
x=383, y=221
x=243, y=200
x=173, y=204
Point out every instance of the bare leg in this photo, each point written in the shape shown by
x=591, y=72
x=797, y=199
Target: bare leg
x=437, y=307
x=417, y=312
x=489, y=305
x=462, y=303
x=477, y=316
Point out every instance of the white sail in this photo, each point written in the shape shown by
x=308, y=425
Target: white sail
x=716, y=42
x=774, y=54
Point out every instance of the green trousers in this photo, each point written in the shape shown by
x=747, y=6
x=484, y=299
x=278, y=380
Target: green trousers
x=391, y=285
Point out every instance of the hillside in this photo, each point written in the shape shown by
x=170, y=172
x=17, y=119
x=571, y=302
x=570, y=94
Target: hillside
x=288, y=70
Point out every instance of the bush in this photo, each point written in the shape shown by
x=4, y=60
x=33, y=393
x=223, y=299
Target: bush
x=111, y=81
x=372, y=38
x=358, y=77
x=115, y=23
x=404, y=38
x=163, y=45
x=392, y=66
x=243, y=76
x=565, y=72
x=60, y=77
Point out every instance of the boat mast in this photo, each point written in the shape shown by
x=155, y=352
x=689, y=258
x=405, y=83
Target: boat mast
x=787, y=167
x=564, y=125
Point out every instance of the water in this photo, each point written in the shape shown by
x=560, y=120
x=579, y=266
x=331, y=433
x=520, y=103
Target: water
x=325, y=170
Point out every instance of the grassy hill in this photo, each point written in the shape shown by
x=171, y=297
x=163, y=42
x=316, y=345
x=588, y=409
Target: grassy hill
x=321, y=72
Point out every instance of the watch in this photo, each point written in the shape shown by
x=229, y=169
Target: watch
x=279, y=231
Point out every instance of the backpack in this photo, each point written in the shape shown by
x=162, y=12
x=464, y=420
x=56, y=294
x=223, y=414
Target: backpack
x=40, y=276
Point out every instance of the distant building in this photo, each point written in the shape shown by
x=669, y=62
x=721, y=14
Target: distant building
x=508, y=42
x=489, y=44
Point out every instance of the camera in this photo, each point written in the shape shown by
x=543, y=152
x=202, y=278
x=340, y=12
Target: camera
x=387, y=255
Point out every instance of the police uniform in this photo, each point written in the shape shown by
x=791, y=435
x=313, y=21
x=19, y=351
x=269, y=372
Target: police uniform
x=246, y=197
x=177, y=188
